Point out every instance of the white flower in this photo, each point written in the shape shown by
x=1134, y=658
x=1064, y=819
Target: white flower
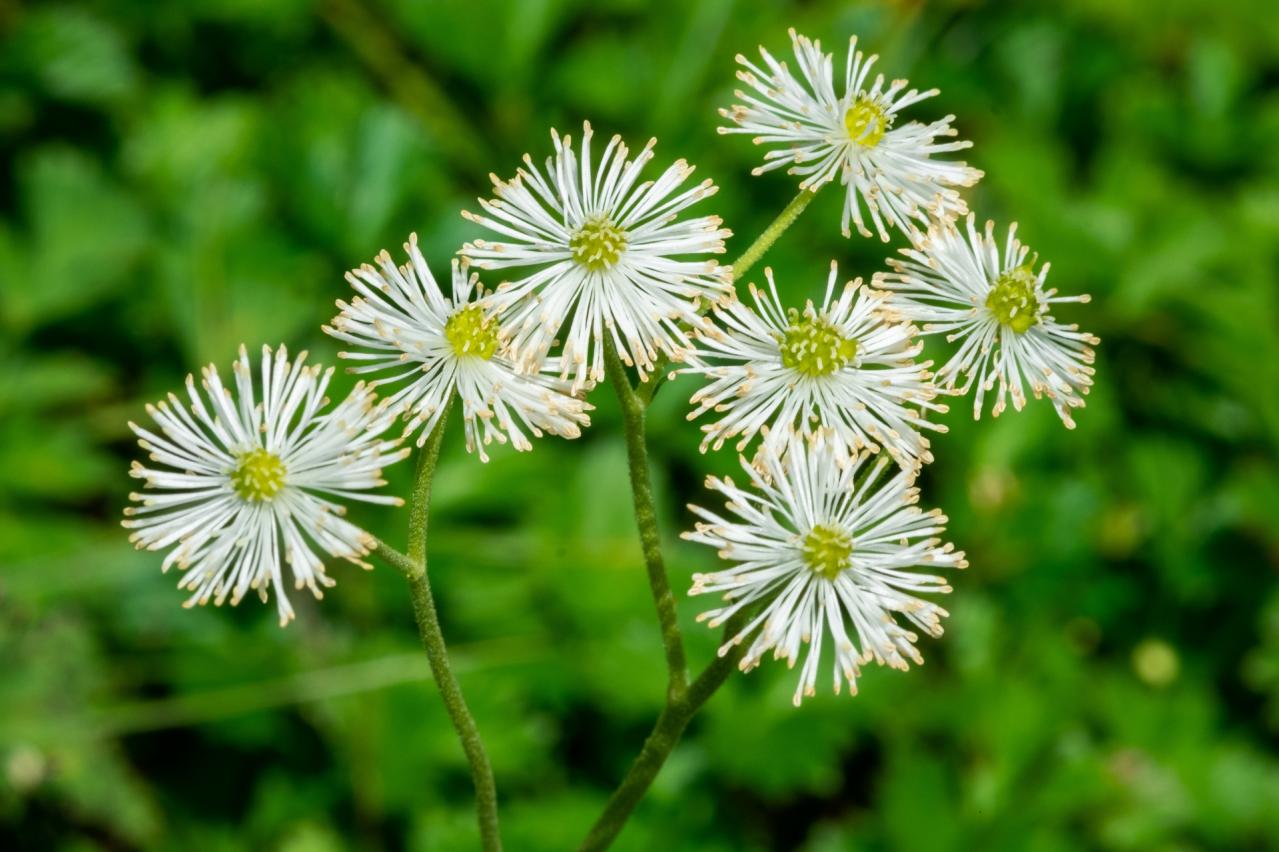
x=848, y=365
x=403, y=323
x=996, y=306
x=242, y=484
x=823, y=543
x=889, y=170
x=612, y=257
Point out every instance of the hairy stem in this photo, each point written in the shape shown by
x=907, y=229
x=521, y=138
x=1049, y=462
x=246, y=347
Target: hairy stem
x=665, y=734
x=683, y=699
x=413, y=566
x=428, y=625
x=657, y=748
x=420, y=500
x=646, y=519
x=745, y=261
x=774, y=230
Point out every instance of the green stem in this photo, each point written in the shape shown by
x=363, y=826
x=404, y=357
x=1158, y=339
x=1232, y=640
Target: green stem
x=745, y=261
x=774, y=230
x=683, y=699
x=657, y=748
x=413, y=566
x=397, y=560
x=666, y=733
x=420, y=501
x=646, y=519
x=428, y=625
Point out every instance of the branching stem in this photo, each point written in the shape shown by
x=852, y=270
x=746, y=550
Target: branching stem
x=646, y=518
x=413, y=566
x=745, y=261
x=683, y=699
x=661, y=742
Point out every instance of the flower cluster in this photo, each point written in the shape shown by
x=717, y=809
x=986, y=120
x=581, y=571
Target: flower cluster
x=828, y=404
x=615, y=264
x=812, y=547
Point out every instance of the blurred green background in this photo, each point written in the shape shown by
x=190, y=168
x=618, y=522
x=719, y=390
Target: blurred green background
x=177, y=178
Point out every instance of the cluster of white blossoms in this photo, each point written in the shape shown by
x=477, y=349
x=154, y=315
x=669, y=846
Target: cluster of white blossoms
x=606, y=260
x=815, y=545
x=618, y=267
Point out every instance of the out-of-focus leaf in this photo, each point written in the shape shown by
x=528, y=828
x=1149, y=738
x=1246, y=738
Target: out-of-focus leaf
x=73, y=54
x=82, y=239
x=58, y=463
x=43, y=382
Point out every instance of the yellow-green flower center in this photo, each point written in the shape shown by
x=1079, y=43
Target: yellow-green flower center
x=867, y=122
x=258, y=476
x=1013, y=300
x=470, y=332
x=597, y=244
x=827, y=550
x=814, y=347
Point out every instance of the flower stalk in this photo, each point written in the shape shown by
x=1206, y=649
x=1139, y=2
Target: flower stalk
x=665, y=735
x=683, y=699
x=413, y=566
x=775, y=229
x=633, y=410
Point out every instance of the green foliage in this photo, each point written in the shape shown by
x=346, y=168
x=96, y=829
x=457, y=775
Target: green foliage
x=181, y=178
